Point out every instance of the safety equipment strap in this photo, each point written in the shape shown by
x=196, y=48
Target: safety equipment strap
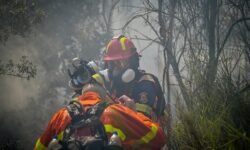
x=88, y=119
x=76, y=111
x=144, y=108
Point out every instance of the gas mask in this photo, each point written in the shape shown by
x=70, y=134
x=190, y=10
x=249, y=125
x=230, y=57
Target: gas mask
x=122, y=76
x=81, y=73
x=122, y=71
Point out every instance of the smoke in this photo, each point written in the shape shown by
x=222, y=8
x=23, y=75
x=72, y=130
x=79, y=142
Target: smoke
x=70, y=29
x=27, y=105
x=137, y=30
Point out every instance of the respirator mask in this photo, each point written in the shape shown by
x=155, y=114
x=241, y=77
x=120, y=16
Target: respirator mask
x=119, y=71
x=125, y=76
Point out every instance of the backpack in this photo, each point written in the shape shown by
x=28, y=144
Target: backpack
x=86, y=131
x=160, y=106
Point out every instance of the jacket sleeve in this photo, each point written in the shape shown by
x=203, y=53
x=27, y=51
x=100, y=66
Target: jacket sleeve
x=135, y=129
x=55, y=127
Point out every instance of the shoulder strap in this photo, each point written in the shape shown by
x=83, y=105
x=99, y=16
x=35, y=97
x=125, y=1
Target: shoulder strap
x=97, y=109
x=89, y=118
x=75, y=110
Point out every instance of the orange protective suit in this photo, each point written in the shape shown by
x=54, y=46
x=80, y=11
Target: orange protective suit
x=135, y=130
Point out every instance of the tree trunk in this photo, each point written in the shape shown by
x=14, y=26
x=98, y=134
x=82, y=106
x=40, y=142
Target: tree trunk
x=166, y=40
x=211, y=26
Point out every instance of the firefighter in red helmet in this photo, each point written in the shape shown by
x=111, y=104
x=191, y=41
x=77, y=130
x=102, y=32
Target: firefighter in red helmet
x=119, y=48
x=122, y=62
x=136, y=129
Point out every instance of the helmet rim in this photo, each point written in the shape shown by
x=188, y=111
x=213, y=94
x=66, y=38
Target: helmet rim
x=118, y=57
x=119, y=48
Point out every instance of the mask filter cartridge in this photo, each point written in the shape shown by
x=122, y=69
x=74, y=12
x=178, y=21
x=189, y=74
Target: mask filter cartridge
x=128, y=75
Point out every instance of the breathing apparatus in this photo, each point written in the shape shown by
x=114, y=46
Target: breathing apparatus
x=127, y=76
x=81, y=73
x=84, y=72
x=129, y=73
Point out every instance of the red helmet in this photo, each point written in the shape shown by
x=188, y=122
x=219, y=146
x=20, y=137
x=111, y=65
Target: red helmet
x=119, y=48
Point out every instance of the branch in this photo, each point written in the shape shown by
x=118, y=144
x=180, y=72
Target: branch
x=246, y=88
x=228, y=34
x=150, y=5
x=16, y=75
x=103, y=14
x=112, y=9
x=244, y=38
x=146, y=37
x=152, y=41
x=248, y=5
x=237, y=61
x=133, y=18
x=183, y=49
x=108, y=21
x=152, y=27
x=23, y=69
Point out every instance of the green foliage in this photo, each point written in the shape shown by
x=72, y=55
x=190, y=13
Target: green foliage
x=219, y=116
x=69, y=28
x=17, y=17
x=218, y=119
x=197, y=129
x=22, y=69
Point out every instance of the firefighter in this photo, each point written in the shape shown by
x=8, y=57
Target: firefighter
x=122, y=63
x=135, y=130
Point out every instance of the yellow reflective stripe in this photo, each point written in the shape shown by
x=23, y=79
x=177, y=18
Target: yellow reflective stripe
x=150, y=135
x=98, y=78
x=143, y=108
x=109, y=128
x=40, y=146
x=60, y=136
x=75, y=99
x=122, y=41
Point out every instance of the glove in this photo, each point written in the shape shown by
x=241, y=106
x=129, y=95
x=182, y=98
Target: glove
x=126, y=101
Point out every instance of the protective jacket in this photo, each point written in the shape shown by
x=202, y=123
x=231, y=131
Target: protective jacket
x=135, y=130
x=146, y=91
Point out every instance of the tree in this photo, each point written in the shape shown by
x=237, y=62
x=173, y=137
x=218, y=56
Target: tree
x=17, y=17
x=206, y=44
x=22, y=69
x=68, y=29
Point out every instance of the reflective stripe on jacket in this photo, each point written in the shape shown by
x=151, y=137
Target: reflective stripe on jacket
x=135, y=129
